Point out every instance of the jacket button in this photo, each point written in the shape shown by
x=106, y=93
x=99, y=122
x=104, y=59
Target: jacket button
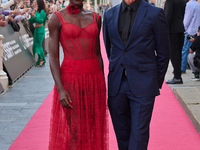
x=122, y=65
x=125, y=51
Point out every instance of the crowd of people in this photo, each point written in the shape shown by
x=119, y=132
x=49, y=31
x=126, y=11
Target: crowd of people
x=183, y=19
x=33, y=15
x=17, y=10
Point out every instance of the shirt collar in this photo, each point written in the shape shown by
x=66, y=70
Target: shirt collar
x=133, y=5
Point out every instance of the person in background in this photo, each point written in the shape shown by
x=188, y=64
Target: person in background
x=48, y=9
x=27, y=3
x=174, y=13
x=191, y=24
x=39, y=17
x=195, y=52
x=2, y=21
x=163, y=5
x=33, y=6
x=153, y=2
x=58, y=6
x=6, y=4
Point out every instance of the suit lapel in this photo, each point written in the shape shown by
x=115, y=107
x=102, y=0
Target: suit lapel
x=116, y=31
x=138, y=19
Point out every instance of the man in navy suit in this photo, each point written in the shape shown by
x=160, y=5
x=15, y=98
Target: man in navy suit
x=136, y=38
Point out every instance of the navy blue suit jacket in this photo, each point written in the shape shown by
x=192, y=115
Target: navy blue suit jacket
x=146, y=54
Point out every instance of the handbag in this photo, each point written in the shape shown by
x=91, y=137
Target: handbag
x=196, y=61
x=15, y=26
x=25, y=23
x=31, y=26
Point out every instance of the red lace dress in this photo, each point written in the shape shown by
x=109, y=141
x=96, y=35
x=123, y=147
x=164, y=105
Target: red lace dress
x=85, y=126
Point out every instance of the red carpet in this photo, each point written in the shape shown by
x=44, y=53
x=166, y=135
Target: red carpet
x=171, y=129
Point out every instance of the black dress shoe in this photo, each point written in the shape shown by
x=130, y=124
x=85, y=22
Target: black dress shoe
x=175, y=81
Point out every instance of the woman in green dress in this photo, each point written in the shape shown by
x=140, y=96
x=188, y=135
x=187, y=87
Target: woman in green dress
x=39, y=17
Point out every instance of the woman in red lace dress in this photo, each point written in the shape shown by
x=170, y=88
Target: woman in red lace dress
x=78, y=119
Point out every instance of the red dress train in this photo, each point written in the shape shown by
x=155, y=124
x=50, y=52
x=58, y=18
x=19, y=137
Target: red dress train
x=85, y=126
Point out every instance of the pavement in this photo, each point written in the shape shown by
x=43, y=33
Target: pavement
x=188, y=95
x=21, y=101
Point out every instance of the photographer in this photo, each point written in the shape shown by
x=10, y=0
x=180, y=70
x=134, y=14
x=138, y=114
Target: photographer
x=5, y=16
x=6, y=4
x=191, y=22
x=2, y=21
x=195, y=53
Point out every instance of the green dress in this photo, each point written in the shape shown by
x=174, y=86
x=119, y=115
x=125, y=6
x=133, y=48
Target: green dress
x=39, y=34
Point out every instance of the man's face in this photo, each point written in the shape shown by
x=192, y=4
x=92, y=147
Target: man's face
x=28, y=3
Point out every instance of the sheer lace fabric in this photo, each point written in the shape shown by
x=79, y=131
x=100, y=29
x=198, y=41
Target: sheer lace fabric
x=85, y=126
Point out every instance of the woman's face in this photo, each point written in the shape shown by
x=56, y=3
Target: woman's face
x=35, y=4
x=77, y=2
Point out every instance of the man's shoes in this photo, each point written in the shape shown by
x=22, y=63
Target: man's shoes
x=196, y=77
x=183, y=72
x=175, y=81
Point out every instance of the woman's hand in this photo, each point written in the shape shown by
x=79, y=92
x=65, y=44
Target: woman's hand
x=33, y=13
x=65, y=99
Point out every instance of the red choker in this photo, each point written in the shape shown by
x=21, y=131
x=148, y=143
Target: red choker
x=72, y=9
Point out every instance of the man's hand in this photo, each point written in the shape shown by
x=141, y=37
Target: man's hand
x=2, y=23
x=25, y=10
x=16, y=12
x=20, y=4
x=10, y=18
x=1, y=16
x=192, y=39
x=191, y=51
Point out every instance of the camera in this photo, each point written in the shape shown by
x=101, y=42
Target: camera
x=191, y=36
